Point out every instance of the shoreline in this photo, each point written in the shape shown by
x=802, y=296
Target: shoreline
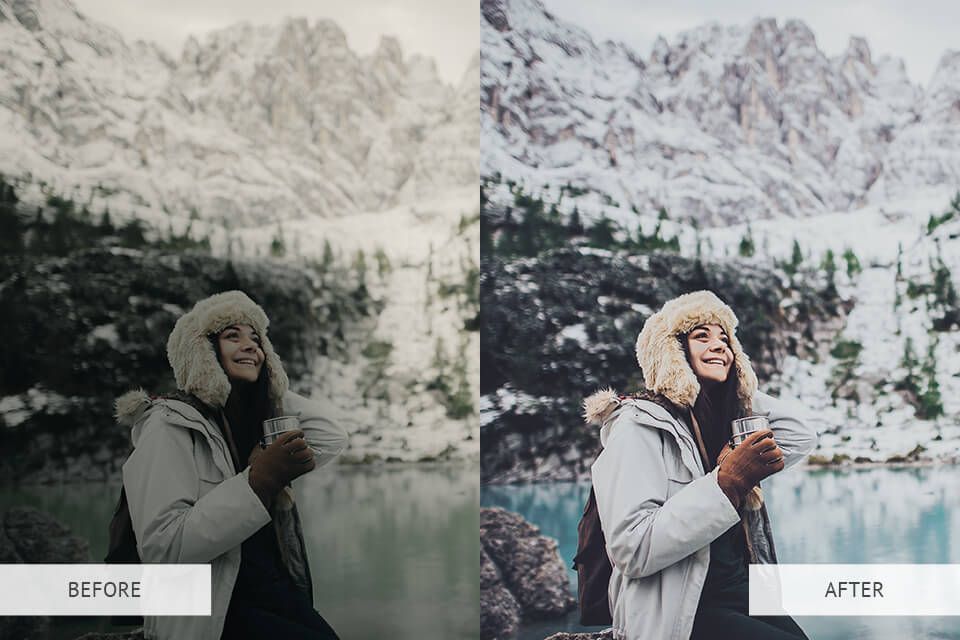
x=842, y=465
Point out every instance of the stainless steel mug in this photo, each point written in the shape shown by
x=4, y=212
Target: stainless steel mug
x=274, y=427
x=743, y=427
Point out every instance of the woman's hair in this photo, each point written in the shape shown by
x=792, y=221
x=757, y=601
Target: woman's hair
x=715, y=408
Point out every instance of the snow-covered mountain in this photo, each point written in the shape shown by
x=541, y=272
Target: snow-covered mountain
x=277, y=140
x=725, y=123
x=769, y=158
x=252, y=123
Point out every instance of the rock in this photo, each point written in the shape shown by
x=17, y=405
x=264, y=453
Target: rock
x=499, y=610
x=602, y=635
x=529, y=567
x=33, y=536
x=38, y=538
x=136, y=634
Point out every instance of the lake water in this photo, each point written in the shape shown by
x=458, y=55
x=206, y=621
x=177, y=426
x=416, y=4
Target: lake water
x=393, y=550
x=818, y=516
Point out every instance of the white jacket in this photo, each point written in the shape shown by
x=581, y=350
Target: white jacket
x=189, y=505
x=660, y=512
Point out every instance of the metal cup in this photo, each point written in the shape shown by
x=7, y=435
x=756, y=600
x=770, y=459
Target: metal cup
x=743, y=427
x=275, y=427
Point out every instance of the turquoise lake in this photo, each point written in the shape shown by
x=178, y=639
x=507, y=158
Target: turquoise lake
x=878, y=515
x=393, y=550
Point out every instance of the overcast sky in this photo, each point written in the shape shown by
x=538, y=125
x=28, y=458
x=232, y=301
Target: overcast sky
x=918, y=31
x=446, y=30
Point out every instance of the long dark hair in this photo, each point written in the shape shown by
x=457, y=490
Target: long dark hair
x=715, y=408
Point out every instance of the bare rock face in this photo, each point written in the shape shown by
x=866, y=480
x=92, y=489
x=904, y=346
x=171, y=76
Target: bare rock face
x=530, y=572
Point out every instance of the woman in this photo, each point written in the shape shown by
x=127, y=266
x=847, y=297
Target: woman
x=679, y=527
x=201, y=489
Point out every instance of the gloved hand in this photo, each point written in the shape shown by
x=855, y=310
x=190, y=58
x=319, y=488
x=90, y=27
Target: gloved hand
x=271, y=469
x=743, y=468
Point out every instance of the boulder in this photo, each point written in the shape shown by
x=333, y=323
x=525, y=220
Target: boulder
x=33, y=536
x=499, y=610
x=525, y=564
x=600, y=635
x=36, y=537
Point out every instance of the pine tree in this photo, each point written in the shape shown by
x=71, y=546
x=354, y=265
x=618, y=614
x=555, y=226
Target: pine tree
x=910, y=382
x=796, y=257
x=747, y=248
x=931, y=404
x=853, y=263
x=327, y=259
x=829, y=266
x=277, y=247
x=575, y=225
x=601, y=233
x=360, y=266
x=383, y=262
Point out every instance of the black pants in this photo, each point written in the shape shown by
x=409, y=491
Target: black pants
x=724, y=615
x=283, y=613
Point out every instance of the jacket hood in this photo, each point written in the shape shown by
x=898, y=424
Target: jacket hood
x=194, y=359
x=661, y=357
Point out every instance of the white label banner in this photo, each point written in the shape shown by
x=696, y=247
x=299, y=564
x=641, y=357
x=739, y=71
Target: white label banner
x=104, y=589
x=855, y=589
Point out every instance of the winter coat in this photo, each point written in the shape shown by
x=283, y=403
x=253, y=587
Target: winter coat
x=660, y=512
x=188, y=504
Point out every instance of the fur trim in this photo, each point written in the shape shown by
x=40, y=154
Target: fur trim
x=194, y=359
x=754, y=499
x=662, y=361
x=599, y=406
x=130, y=406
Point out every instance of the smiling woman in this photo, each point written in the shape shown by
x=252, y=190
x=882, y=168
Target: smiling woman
x=202, y=490
x=679, y=507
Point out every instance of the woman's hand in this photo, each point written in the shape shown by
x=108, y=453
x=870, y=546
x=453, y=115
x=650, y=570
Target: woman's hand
x=271, y=469
x=743, y=468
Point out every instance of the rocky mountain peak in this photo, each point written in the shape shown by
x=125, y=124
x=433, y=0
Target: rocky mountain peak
x=726, y=122
x=251, y=123
x=858, y=53
x=388, y=48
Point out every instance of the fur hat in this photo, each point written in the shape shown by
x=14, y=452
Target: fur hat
x=194, y=359
x=662, y=360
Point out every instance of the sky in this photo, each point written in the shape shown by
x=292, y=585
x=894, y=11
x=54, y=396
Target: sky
x=446, y=30
x=917, y=32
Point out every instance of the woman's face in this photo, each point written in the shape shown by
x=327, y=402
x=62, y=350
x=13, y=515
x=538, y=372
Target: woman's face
x=710, y=354
x=240, y=353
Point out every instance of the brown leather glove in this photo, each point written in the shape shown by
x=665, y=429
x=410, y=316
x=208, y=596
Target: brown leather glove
x=743, y=468
x=273, y=468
